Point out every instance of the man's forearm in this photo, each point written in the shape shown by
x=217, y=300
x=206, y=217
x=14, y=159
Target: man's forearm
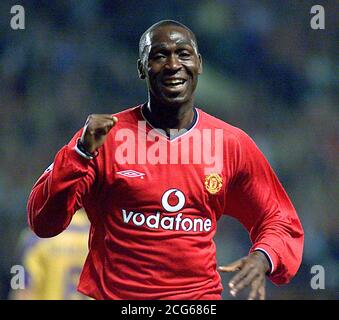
x=56, y=195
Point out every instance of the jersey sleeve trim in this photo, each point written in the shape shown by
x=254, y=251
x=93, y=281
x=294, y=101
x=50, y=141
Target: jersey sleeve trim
x=268, y=258
x=78, y=151
x=270, y=253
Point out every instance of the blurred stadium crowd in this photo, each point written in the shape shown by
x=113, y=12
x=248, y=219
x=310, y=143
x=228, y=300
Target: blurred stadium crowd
x=265, y=71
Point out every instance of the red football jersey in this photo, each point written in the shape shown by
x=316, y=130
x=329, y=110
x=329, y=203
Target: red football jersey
x=154, y=203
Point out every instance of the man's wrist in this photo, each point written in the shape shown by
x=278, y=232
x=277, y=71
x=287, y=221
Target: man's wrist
x=80, y=149
x=266, y=261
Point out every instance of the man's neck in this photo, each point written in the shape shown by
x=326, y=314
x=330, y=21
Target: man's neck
x=167, y=118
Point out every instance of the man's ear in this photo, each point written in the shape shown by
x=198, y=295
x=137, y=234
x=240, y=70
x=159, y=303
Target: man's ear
x=141, y=70
x=200, y=64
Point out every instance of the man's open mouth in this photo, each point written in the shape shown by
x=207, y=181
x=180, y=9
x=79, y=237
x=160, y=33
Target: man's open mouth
x=174, y=83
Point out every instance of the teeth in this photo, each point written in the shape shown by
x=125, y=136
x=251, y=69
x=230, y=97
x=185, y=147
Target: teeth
x=174, y=82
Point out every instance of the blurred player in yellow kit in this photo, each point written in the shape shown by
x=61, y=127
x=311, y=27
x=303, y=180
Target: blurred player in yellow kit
x=52, y=266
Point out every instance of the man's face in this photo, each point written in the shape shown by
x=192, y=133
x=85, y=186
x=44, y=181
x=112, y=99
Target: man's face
x=171, y=65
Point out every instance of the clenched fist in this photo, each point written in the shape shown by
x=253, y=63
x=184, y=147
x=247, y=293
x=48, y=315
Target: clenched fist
x=95, y=131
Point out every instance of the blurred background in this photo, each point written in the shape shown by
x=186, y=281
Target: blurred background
x=265, y=71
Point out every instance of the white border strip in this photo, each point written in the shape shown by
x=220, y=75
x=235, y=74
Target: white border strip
x=272, y=265
x=81, y=153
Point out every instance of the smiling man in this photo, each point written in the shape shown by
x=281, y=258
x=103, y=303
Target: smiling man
x=154, y=215
x=170, y=63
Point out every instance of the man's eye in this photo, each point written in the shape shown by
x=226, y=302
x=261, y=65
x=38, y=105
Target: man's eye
x=159, y=57
x=184, y=54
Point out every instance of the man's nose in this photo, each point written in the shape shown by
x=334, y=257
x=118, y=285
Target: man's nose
x=173, y=63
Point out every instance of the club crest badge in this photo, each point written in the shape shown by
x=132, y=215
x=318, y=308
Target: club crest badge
x=213, y=183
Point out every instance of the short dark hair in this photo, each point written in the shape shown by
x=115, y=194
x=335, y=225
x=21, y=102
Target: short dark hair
x=162, y=23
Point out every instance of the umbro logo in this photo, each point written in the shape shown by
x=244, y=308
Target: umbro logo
x=131, y=174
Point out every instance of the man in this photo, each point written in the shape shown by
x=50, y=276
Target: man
x=154, y=191
x=53, y=266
